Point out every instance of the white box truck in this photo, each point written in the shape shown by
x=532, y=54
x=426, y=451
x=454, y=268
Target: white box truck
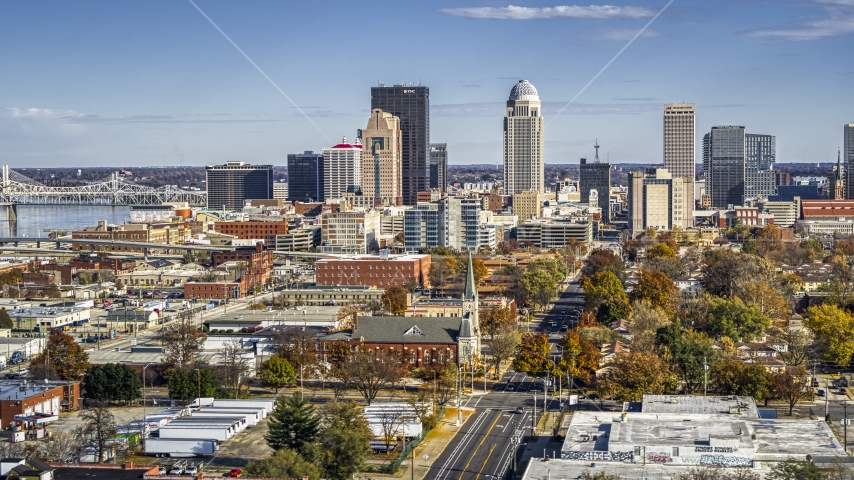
x=180, y=447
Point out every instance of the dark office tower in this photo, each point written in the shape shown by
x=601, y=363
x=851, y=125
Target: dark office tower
x=782, y=178
x=439, y=166
x=231, y=184
x=597, y=176
x=848, y=158
x=305, y=177
x=412, y=105
x=724, y=165
x=760, y=154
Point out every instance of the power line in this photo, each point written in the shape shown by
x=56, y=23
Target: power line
x=262, y=71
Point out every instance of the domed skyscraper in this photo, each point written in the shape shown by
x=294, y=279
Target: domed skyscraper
x=523, y=141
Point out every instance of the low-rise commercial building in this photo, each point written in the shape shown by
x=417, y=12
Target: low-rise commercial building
x=552, y=233
x=22, y=398
x=255, y=230
x=44, y=319
x=377, y=270
x=157, y=278
x=331, y=295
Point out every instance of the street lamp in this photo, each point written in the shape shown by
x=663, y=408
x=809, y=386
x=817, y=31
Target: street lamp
x=144, y=418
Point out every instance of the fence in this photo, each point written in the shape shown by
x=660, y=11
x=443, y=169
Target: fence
x=394, y=466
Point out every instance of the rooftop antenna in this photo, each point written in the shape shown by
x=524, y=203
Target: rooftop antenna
x=596, y=146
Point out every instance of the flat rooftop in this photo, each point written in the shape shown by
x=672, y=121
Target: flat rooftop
x=363, y=258
x=21, y=389
x=769, y=439
x=695, y=404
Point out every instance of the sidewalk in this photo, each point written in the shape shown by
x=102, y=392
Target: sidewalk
x=433, y=446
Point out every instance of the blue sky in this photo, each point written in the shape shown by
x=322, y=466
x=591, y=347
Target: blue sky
x=105, y=83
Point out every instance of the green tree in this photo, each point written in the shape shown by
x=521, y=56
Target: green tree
x=612, y=310
x=284, y=463
x=734, y=319
x=294, y=423
x=689, y=349
x=277, y=373
x=734, y=377
x=539, y=285
x=601, y=287
x=833, y=329
x=532, y=356
x=394, y=300
x=749, y=246
x=187, y=384
x=345, y=443
x=5, y=319
x=793, y=469
x=113, y=382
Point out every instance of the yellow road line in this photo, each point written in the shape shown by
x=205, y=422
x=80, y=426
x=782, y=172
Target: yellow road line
x=484, y=462
x=479, y=445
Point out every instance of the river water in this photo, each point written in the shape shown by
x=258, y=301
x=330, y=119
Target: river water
x=40, y=220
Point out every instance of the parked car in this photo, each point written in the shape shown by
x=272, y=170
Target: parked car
x=191, y=470
x=163, y=471
x=821, y=393
x=814, y=382
x=235, y=472
x=843, y=391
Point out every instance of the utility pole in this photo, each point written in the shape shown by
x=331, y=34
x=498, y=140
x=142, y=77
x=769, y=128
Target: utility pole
x=705, y=377
x=534, y=418
x=459, y=402
x=845, y=426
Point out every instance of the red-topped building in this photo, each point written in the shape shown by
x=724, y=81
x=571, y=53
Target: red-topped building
x=376, y=270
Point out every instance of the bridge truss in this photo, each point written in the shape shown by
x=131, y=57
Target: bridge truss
x=17, y=188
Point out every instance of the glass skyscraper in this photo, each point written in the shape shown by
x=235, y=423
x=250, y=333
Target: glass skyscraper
x=305, y=177
x=439, y=166
x=723, y=163
x=412, y=105
x=230, y=185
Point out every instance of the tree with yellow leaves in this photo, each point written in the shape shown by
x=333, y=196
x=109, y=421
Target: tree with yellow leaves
x=833, y=328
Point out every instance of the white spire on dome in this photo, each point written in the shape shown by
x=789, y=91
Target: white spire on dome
x=524, y=91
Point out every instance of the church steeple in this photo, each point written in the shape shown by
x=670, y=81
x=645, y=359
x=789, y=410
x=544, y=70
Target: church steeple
x=471, y=286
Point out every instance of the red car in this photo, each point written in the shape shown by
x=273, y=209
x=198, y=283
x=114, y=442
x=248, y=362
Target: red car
x=235, y=472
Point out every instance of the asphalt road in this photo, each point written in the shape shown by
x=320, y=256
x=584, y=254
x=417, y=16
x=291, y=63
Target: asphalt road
x=483, y=448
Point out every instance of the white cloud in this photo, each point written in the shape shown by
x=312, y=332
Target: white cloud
x=39, y=113
x=513, y=12
x=837, y=19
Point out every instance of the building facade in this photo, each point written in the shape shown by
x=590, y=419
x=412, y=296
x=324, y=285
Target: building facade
x=350, y=232
x=597, y=176
x=528, y=205
x=254, y=230
x=461, y=223
x=659, y=200
x=439, y=166
x=381, y=167
x=342, y=169
x=759, y=158
x=848, y=156
x=411, y=104
x=549, y=233
x=381, y=271
x=422, y=227
x=523, y=140
x=305, y=177
x=679, y=134
x=230, y=185
x=280, y=191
